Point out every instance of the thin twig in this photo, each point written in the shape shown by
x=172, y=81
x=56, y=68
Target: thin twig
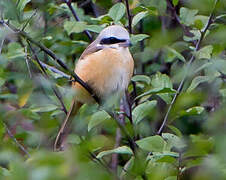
x=177, y=18
x=1, y=44
x=55, y=70
x=129, y=16
x=197, y=47
x=121, y=118
x=27, y=62
x=15, y=140
x=54, y=57
x=29, y=20
x=131, y=31
x=55, y=90
x=131, y=141
x=77, y=18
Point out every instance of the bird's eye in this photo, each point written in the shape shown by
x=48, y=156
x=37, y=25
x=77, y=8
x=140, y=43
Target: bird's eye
x=111, y=40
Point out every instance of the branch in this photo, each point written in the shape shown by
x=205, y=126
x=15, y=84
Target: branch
x=129, y=16
x=121, y=118
x=1, y=44
x=54, y=57
x=131, y=141
x=21, y=147
x=55, y=70
x=68, y=2
x=185, y=28
x=197, y=47
x=55, y=90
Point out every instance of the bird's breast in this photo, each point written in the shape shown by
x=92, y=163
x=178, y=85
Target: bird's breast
x=107, y=71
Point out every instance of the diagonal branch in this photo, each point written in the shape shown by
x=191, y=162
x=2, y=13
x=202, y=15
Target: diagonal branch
x=15, y=140
x=197, y=47
x=55, y=90
x=54, y=57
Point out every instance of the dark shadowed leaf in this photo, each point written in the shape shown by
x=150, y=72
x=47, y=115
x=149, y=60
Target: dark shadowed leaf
x=196, y=81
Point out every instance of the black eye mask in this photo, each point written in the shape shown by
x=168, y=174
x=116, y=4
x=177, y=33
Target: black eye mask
x=111, y=40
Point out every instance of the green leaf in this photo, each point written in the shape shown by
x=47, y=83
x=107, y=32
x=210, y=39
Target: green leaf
x=117, y=11
x=161, y=84
x=4, y=172
x=119, y=150
x=223, y=94
x=141, y=78
x=175, y=2
x=8, y=96
x=74, y=27
x=45, y=108
x=94, y=28
x=138, y=17
x=204, y=66
x=138, y=37
x=98, y=118
x=175, y=54
x=159, y=5
x=175, y=130
x=161, y=81
x=187, y=16
x=128, y=166
x=196, y=36
x=173, y=141
x=196, y=81
x=22, y=3
x=143, y=110
x=171, y=177
x=156, y=156
x=192, y=111
x=2, y=129
x=152, y=143
x=15, y=51
x=29, y=114
x=201, y=21
x=205, y=52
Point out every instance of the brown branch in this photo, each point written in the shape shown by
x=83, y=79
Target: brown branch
x=177, y=18
x=121, y=118
x=55, y=70
x=55, y=90
x=197, y=47
x=54, y=57
x=21, y=147
x=68, y=2
x=129, y=16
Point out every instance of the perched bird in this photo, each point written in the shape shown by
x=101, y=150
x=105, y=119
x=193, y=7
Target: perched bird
x=106, y=66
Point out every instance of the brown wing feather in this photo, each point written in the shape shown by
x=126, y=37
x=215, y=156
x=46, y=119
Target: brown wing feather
x=64, y=130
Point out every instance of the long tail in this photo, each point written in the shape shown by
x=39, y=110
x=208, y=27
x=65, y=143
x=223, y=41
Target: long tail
x=65, y=127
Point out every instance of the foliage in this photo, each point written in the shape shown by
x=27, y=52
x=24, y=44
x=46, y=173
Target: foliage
x=175, y=43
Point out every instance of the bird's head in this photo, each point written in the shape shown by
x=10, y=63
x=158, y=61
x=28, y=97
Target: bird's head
x=114, y=35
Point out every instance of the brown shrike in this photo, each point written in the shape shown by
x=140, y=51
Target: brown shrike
x=106, y=66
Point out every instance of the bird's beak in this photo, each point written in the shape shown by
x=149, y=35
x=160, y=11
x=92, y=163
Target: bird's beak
x=127, y=43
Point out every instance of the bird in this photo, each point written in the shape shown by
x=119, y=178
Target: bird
x=106, y=66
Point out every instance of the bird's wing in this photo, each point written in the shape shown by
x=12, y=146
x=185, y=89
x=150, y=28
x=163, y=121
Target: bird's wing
x=93, y=47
